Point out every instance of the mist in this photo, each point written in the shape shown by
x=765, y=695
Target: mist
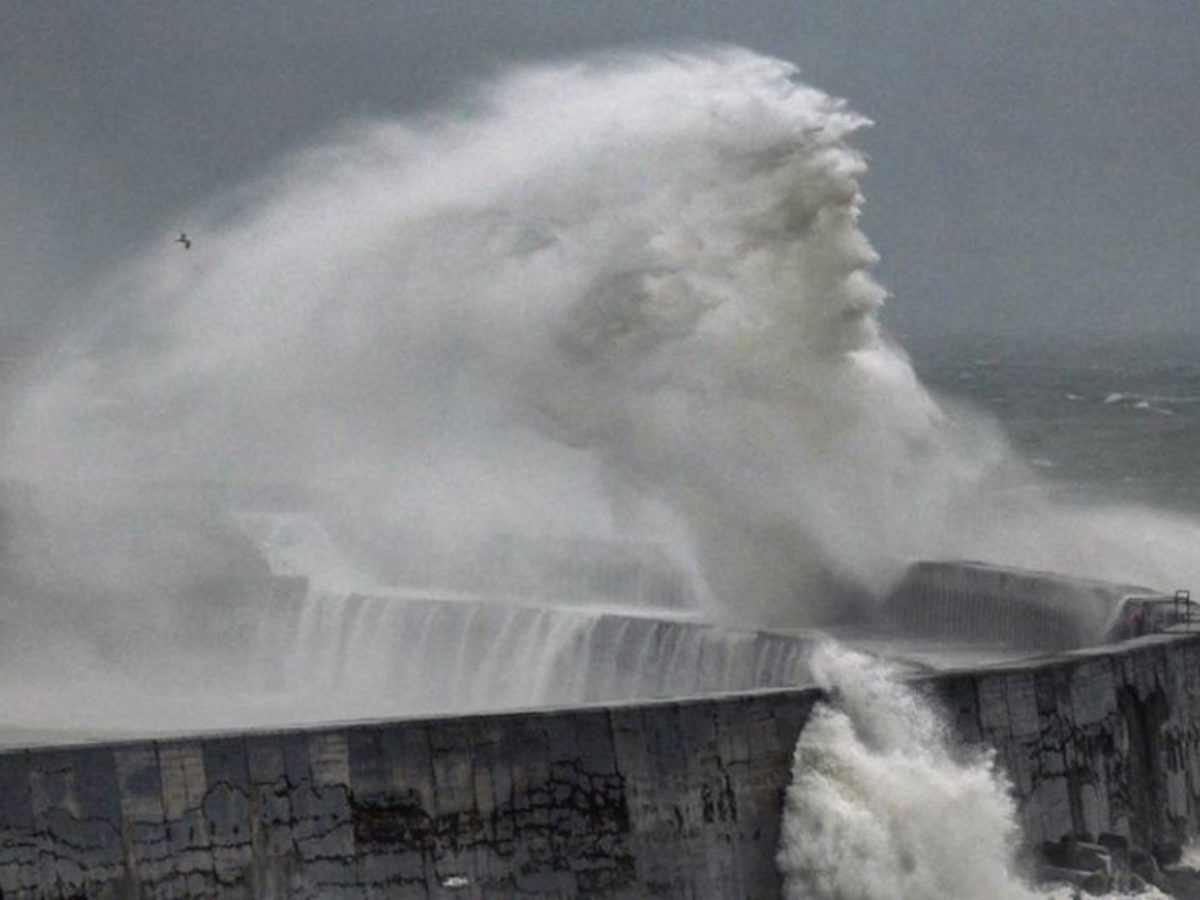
x=620, y=296
x=623, y=298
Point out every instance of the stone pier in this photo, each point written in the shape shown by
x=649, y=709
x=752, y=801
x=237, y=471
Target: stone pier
x=671, y=799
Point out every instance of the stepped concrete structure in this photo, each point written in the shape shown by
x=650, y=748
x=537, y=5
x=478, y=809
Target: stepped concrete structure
x=671, y=798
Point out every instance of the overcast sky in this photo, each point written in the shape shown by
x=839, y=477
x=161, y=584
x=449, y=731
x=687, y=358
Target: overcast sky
x=1035, y=165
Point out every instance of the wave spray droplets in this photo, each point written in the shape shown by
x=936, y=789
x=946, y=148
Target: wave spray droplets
x=619, y=296
x=883, y=805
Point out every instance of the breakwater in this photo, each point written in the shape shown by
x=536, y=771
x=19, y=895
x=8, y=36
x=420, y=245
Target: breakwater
x=974, y=601
x=669, y=798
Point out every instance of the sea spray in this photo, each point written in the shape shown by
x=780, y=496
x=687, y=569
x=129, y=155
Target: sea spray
x=884, y=805
x=627, y=295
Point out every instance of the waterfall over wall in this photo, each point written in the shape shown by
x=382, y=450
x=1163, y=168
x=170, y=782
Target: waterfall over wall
x=402, y=655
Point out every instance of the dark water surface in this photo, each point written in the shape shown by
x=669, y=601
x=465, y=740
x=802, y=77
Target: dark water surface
x=1104, y=420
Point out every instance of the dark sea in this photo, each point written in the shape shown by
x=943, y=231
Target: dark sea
x=1101, y=420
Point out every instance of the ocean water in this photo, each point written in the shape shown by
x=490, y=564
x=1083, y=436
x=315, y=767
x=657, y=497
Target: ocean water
x=1106, y=419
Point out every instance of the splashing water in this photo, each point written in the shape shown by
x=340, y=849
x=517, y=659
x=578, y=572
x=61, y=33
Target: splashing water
x=623, y=297
x=882, y=806
x=885, y=805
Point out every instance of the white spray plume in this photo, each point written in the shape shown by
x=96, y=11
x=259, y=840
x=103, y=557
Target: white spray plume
x=880, y=807
x=621, y=295
x=886, y=805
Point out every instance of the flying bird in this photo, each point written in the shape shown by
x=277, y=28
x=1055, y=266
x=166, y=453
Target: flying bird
x=183, y=239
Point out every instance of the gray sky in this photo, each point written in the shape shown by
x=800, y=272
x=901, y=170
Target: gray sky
x=1034, y=164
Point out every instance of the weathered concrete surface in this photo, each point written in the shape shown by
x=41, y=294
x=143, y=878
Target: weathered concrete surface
x=679, y=799
x=1098, y=741
x=971, y=601
x=674, y=799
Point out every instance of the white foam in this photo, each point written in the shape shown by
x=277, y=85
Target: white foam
x=885, y=805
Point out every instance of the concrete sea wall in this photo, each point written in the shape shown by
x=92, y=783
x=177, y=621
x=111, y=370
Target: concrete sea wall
x=672, y=799
x=678, y=799
x=1104, y=741
x=970, y=601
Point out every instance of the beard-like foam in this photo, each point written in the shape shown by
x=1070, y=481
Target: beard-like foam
x=625, y=296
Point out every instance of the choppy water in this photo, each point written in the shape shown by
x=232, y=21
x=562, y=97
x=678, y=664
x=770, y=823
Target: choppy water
x=1110, y=419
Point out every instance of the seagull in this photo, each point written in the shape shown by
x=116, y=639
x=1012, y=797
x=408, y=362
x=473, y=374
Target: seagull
x=183, y=239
